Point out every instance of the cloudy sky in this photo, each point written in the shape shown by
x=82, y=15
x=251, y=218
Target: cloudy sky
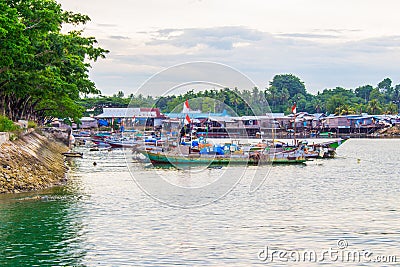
x=326, y=44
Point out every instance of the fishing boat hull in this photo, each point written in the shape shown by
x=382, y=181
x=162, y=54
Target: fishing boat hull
x=196, y=159
x=73, y=154
x=119, y=144
x=327, y=149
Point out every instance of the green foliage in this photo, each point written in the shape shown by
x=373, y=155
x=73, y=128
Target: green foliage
x=7, y=125
x=385, y=85
x=374, y=107
x=32, y=124
x=364, y=92
x=291, y=83
x=391, y=108
x=13, y=137
x=43, y=71
x=279, y=97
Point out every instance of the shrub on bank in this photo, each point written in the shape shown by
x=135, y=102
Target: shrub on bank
x=7, y=125
x=32, y=124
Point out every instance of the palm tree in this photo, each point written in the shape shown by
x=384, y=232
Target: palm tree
x=391, y=108
x=374, y=107
x=359, y=108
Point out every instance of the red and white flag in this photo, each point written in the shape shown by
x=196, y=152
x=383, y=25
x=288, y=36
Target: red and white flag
x=187, y=119
x=186, y=108
x=294, y=110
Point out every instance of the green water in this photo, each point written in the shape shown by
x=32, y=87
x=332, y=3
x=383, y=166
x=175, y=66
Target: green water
x=41, y=231
x=102, y=218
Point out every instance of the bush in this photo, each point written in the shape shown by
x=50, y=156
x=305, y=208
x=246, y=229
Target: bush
x=13, y=137
x=7, y=125
x=32, y=124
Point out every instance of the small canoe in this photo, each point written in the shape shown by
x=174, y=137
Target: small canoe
x=73, y=154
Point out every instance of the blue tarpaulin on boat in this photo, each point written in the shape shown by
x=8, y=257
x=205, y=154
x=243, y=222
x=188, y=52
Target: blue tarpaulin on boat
x=103, y=123
x=213, y=150
x=195, y=143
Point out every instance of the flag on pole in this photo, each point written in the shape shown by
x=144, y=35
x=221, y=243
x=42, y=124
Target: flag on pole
x=294, y=110
x=186, y=108
x=187, y=119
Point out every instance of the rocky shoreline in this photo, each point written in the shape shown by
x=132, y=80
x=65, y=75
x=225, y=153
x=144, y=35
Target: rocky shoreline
x=32, y=162
x=393, y=131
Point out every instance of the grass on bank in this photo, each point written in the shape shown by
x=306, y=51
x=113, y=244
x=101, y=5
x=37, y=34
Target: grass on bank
x=7, y=125
x=15, y=130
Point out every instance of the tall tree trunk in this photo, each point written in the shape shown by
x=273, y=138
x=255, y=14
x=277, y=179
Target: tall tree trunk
x=22, y=107
x=2, y=105
x=30, y=111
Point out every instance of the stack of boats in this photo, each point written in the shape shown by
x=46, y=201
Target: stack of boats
x=203, y=153
x=199, y=151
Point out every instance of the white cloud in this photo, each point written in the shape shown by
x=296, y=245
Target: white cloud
x=325, y=43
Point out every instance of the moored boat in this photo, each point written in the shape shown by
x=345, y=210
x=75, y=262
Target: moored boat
x=317, y=150
x=122, y=143
x=324, y=150
x=295, y=156
x=73, y=154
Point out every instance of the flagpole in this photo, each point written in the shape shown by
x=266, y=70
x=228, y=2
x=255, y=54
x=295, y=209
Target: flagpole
x=294, y=137
x=186, y=109
x=294, y=111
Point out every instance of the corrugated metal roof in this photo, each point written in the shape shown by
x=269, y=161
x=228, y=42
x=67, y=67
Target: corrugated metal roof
x=126, y=113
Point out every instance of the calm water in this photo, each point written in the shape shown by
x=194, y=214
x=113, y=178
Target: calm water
x=102, y=218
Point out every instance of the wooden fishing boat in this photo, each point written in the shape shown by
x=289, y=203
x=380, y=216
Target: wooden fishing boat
x=295, y=156
x=122, y=143
x=318, y=150
x=324, y=150
x=73, y=154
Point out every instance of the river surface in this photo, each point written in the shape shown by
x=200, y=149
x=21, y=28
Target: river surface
x=102, y=217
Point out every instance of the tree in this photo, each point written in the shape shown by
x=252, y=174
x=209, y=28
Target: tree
x=374, y=107
x=335, y=103
x=376, y=95
x=43, y=72
x=359, y=108
x=289, y=82
x=364, y=92
x=396, y=95
x=385, y=85
x=340, y=101
x=120, y=94
x=391, y=108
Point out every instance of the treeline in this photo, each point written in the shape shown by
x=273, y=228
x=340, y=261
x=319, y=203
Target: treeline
x=43, y=71
x=287, y=89
x=283, y=91
x=233, y=101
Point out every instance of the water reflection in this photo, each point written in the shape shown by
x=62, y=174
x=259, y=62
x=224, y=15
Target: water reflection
x=41, y=229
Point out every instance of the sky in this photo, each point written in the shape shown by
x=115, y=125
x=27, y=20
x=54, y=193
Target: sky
x=326, y=43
